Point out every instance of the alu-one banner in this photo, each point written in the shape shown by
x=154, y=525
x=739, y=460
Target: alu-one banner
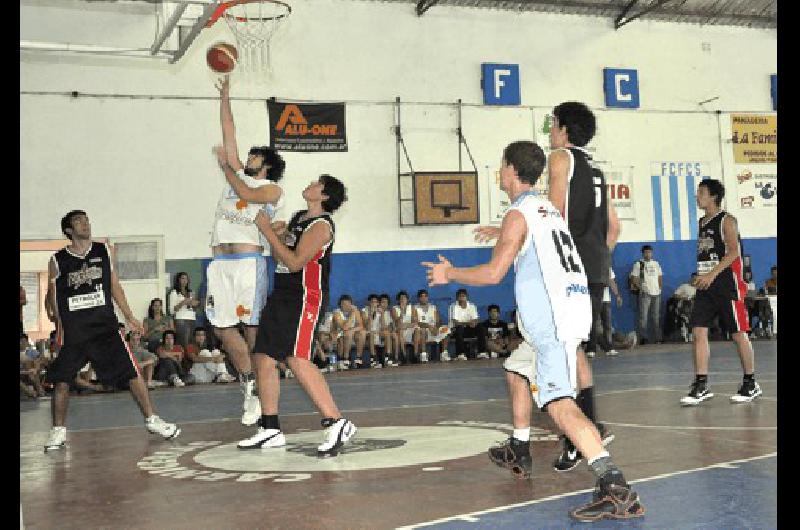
x=307, y=127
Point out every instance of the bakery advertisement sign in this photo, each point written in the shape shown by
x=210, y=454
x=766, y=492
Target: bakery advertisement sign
x=754, y=138
x=757, y=188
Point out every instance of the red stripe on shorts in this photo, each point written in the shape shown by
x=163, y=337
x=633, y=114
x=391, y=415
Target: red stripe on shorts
x=130, y=354
x=312, y=302
x=739, y=309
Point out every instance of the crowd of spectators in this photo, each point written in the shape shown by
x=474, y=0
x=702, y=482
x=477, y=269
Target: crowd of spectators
x=174, y=350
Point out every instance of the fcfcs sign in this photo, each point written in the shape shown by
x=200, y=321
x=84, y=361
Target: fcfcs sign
x=310, y=127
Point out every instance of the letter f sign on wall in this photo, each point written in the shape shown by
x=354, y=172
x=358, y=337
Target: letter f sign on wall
x=621, y=88
x=500, y=84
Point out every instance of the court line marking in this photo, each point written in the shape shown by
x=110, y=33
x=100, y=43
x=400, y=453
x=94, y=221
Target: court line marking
x=399, y=407
x=224, y=391
x=473, y=516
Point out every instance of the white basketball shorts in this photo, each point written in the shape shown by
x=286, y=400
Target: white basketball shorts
x=549, y=368
x=237, y=289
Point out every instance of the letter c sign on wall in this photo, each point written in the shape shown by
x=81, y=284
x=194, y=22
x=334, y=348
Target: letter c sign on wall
x=621, y=87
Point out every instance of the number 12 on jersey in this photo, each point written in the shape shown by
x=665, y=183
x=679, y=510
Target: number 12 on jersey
x=566, y=250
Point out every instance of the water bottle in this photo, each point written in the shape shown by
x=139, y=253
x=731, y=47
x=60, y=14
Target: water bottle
x=332, y=360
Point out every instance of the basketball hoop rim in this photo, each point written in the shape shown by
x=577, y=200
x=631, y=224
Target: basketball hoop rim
x=223, y=8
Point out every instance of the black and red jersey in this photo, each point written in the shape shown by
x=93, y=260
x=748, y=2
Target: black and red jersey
x=710, y=251
x=83, y=294
x=313, y=279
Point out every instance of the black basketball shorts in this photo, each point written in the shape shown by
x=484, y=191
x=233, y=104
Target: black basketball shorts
x=288, y=325
x=109, y=354
x=709, y=304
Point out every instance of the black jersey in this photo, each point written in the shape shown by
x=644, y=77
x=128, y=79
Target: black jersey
x=83, y=294
x=586, y=211
x=710, y=251
x=313, y=278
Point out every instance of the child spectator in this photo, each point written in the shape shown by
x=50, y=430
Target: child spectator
x=208, y=364
x=146, y=360
x=430, y=327
x=405, y=325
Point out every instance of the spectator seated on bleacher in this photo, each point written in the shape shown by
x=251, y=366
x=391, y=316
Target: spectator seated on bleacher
x=156, y=323
x=430, y=327
x=30, y=369
x=146, y=359
x=463, y=316
x=372, y=315
x=323, y=342
x=170, y=358
x=679, y=311
x=208, y=364
x=406, y=329
x=349, y=330
x=493, y=335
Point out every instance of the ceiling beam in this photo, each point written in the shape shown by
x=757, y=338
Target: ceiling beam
x=623, y=18
x=424, y=5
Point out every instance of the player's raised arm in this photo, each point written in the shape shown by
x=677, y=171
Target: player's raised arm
x=269, y=193
x=228, y=127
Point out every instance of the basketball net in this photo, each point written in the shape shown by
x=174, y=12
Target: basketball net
x=254, y=24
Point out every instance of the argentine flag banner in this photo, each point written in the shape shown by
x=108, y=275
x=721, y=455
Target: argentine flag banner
x=674, y=189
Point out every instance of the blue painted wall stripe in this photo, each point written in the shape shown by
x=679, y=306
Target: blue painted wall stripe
x=657, y=214
x=675, y=207
x=361, y=273
x=692, y=197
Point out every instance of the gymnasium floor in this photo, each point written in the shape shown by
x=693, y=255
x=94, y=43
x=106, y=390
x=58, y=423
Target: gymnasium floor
x=419, y=458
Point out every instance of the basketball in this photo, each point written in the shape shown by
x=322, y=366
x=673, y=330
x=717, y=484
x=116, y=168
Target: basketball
x=221, y=57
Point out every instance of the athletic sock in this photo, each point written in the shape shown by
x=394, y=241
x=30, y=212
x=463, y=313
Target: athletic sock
x=270, y=421
x=246, y=377
x=586, y=402
x=749, y=378
x=701, y=378
x=522, y=435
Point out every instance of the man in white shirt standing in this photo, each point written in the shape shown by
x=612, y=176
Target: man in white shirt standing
x=649, y=284
x=463, y=322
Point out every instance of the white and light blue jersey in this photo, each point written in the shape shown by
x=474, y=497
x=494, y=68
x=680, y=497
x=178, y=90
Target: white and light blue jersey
x=550, y=286
x=233, y=219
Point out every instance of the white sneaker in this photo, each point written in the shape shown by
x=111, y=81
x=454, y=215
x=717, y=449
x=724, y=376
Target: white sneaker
x=612, y=353
x=264, y=439
x=390, y=363
x=57, y=439
x=251, y=406
x=590, y=354
x=156, y=425
x=289, y=374
x=344, y=365
x=462, y=357
x=177, y=381
x=423, y=357
x=225, y=377
x=358, y=363
x=483, y=355
x=445, y=357
x=337, y=433
x=376, y=364
x=493, y=355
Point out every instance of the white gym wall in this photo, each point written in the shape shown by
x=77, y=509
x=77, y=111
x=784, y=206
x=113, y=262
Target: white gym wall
x=144, y=166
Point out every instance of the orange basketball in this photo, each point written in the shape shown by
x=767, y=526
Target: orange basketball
x=221, y=57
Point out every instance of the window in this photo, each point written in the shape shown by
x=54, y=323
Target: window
x=137, y=260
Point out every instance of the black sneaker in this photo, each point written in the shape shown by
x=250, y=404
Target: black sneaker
x=569, y=457
x=513, y=454
x=697, y=394
x=747, y=392
x=610, y=501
